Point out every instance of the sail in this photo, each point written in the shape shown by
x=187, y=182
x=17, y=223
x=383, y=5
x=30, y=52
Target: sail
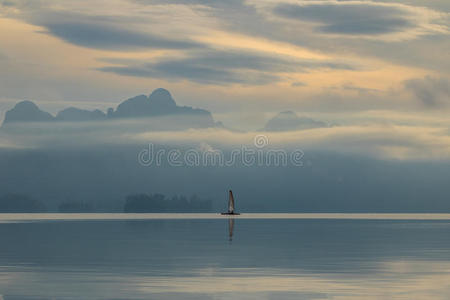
x=231, y=203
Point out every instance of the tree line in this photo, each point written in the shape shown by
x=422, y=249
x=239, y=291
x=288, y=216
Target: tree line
x=136, y=203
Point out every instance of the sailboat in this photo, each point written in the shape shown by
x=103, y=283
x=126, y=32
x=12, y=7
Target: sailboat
x=230, y=205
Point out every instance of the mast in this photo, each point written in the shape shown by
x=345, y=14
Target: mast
x=231, y=203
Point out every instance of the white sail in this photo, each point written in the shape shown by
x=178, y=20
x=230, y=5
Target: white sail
x=231, y=203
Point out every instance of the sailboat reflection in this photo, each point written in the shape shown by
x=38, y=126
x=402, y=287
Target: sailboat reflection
x=230, y=228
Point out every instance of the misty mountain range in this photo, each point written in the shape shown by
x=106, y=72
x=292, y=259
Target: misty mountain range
x=159, y=103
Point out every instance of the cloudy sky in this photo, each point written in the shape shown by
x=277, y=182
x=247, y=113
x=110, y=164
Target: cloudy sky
x=346, y=62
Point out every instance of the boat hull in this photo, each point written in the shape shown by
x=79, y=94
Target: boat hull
x=229, y=214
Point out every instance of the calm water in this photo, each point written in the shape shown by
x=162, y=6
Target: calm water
x=204, y=256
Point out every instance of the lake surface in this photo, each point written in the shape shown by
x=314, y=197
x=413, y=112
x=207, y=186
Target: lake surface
x=206, y=256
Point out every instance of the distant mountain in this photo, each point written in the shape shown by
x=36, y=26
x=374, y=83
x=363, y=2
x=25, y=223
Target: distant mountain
x=75, y=114
x=159, y=104
x=26, y=111
x=288, y=120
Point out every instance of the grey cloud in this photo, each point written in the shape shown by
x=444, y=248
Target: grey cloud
x=357, y=18
x=220, y=67
x=7, y=3
x=111, y=32
x=361, y=90
x=204, y=75
x=431, y=91
x=442, y=5
x=108, y=36
x=209, y=3
x=298, y=83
